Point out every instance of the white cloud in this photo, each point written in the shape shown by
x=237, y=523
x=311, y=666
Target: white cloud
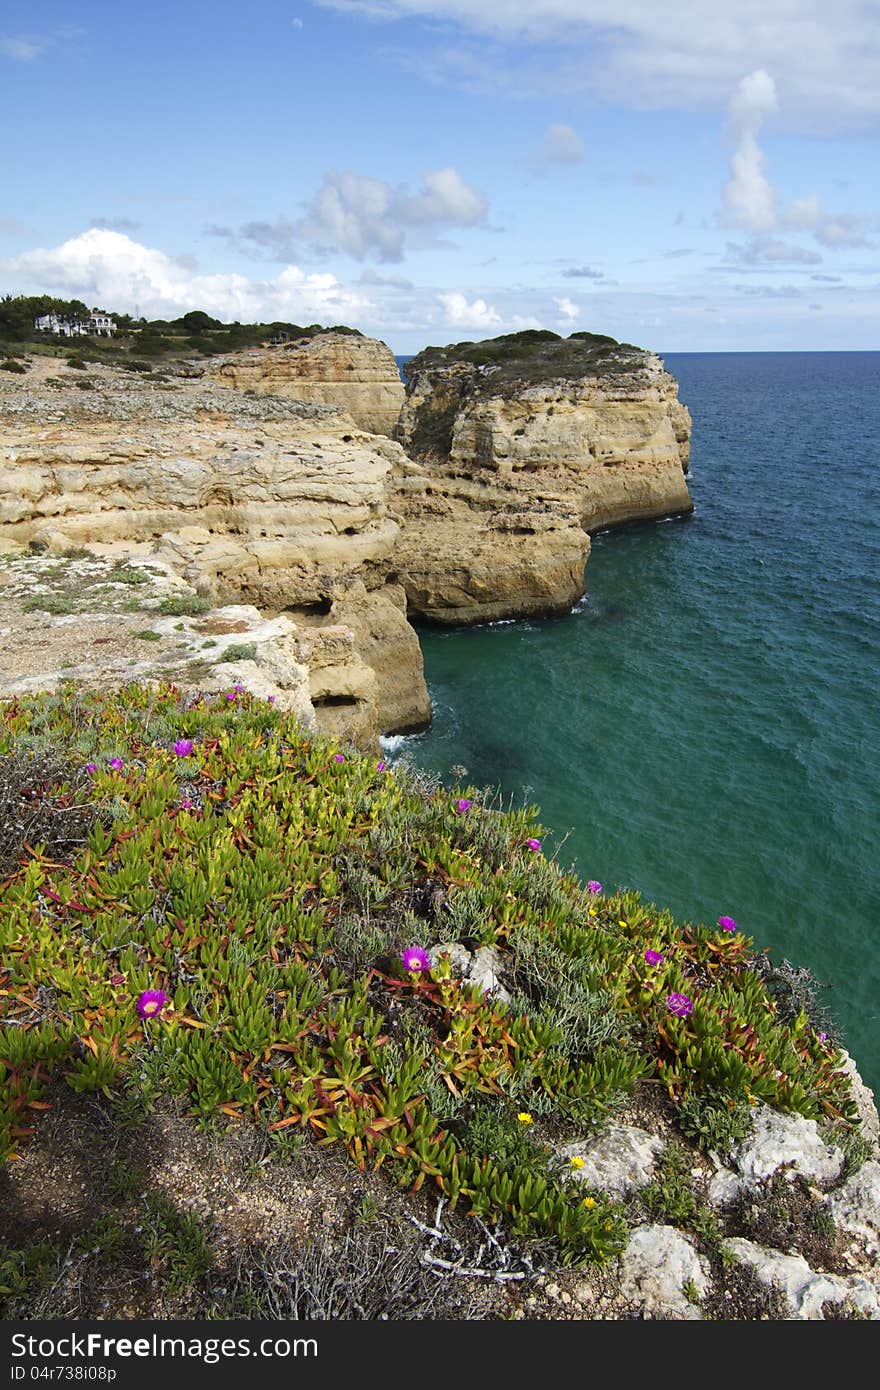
x=296, y=24
x=462, y=314
x=103, y=266
x=748, y=197
x=767, y=250
x=682, y=53
x=583, y=272
x=830, y=229
x=561, y=145
x=567, y=308
x=23, y=48
x=368, y=218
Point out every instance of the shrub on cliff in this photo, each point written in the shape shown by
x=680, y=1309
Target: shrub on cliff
x=241, y=915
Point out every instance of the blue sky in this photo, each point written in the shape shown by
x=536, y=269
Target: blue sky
x=685, y=176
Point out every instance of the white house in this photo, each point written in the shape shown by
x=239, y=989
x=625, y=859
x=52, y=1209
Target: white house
x=100, y=325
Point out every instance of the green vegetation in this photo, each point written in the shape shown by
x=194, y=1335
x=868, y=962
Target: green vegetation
x=532, y=356
x=194, y=333
x=263, y=884
x=240, y=651
x=183, y=605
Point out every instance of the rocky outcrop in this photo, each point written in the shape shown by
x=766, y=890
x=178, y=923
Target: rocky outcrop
x=354, y=374
x=519, y=448
x=249, y=499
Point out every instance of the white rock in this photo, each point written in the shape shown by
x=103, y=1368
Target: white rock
x=485, y=972
x=458, y=955
x=804, y=1290
x=655, y=1266
x=620, y=1160
x=855, y=1207
x=780, y=1141
x=724, y=1188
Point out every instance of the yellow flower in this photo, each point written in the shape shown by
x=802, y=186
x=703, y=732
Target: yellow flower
x=577, y=1161
x=591, y=912
x=620, y=922
x=589, y=1203
x=524, y=1117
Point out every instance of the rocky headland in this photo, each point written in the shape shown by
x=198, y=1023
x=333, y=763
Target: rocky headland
x=246, y=529
x=517, y=449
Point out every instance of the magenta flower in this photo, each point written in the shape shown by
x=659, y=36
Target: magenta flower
x=594, y=886
x=116, y=763
x=680, y=1005
x=230, y=695
x=186, y=804
x=463, y=804
x=415, y=959
x=823, y=1037
x=90, y=767
x=183, y=747
x=240, y=688
x=339, y=757
x=727, y=924
x=533, y=845
x=271, y=699
x=151, y=1002
x=380, y=767
x=654, y=957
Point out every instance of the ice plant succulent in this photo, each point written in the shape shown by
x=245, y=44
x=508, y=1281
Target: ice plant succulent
x=680, y=1004
x=90, y=767
x=654, y=957
x=727, y=924
x=524, y=1117
x=533, y=845
x=463, y=803
x=151, y=1002
x=116, y=763
x=339, y=757
x=183, y=747
x=594, y=886
x=415, y=959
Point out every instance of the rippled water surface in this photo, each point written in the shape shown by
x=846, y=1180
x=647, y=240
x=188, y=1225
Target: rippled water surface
x=705, y=726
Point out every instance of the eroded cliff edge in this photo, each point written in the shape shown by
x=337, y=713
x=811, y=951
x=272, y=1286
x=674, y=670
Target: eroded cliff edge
x=518, y=447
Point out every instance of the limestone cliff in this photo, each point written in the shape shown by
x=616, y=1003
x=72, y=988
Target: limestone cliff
x=519, y=447
x=345, y=370
x=252, y=499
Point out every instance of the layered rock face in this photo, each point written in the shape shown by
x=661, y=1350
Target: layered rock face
x=511, y=467
x=354, y=374
x=248, y=498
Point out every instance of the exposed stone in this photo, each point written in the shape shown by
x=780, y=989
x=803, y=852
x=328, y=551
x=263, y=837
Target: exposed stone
x=508, y=482
x=618, y=1161
x=355, y=374
x=804, y=1290
x=855, y=1206
x=724, y=1188
x=458, y=955
x=785, y=1141
x=654, y=1268
x=485, y=973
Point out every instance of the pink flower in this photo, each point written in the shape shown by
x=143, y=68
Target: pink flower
x=339, y=757
x=239, y=688
x=271, y=699
x=116, y=763
x=230, y=695
x=594, y=886
x=727, y=924
x=380, y=767
x=186, y=804
x=680, y=1005
x=654, y=957
x=90, y=767
x=533, y=845
x=463, y=804
x=415, y=959
x=151, y=1002
x=183, y=747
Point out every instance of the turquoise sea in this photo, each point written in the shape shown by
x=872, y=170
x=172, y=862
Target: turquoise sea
x=705, y=725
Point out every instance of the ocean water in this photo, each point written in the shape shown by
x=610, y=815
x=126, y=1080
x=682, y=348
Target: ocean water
x=705, y=726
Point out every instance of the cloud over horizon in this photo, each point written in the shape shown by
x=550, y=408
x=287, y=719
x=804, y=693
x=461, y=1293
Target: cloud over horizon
x=367, y=218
